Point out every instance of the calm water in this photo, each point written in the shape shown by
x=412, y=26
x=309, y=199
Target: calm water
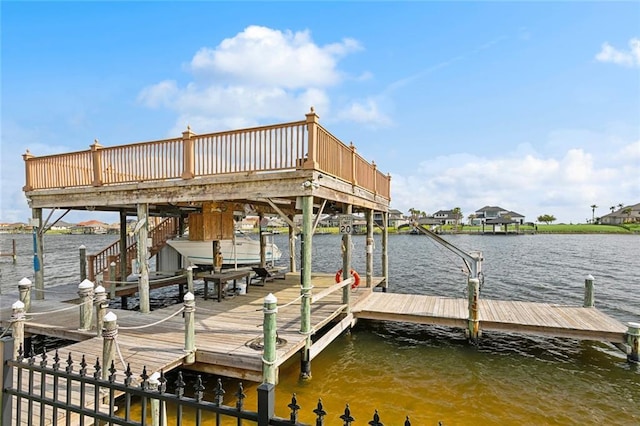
x=432, y=373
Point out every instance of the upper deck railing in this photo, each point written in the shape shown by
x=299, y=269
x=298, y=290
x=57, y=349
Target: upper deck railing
x=289, y=146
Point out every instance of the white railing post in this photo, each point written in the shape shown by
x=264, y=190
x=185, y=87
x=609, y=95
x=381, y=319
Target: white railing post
x=189, y=328
x=85, y=292
x=101, y=308
x=633, y=340
x=109, y=334
x=17, y=327
x=24, y=287
x=158, y=411
x=269, y=369
x=589, y=297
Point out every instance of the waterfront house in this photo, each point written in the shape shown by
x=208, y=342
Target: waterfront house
x=627, y=214
x=487, y=213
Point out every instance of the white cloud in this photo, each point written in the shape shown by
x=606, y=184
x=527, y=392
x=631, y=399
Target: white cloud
x=630, y=58
x=530, y=184
x=260, y=74
x=366, y=112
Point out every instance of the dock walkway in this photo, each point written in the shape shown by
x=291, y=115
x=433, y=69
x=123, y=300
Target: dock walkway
x=508, y=316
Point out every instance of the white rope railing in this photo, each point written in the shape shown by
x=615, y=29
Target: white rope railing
x=154, y=323
x=90, y=301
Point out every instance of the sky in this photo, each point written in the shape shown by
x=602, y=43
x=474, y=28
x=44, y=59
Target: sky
x=530, y=106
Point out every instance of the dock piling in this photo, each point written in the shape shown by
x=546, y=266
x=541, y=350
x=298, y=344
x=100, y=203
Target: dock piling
x=633, y=340
x=474, y=322
x=190, y=288
x=101, y=308
x=589, y=297
x=109, y=334
x=24, y=287
x=158, y=409
x=189, y=327
x=85, y=292
x=17, y=326
x=269, y=369
x=83, y=262
x=112, y=280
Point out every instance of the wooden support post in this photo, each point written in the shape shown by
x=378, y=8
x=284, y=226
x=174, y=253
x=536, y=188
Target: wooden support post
x=17, y=327
x=312, y=144
x=14, y=253
x=38, y=265
x=385, y=251
x=261, y=237
x=97, y=162
x=6, y=380
x=158, y=408
x=189, y=328
x=269, y=328
x=305, y=277
x=101, y=308
x=346, y=261
x=633, y=340
x=266, y=403
x=112, y=280
x=24, y=287
x=123, y=247
x=188, y=154
x=143, y=257
x=83, y=263
x=474, y=321
x=109, y=334
x=589, y=297
x=85, y=292
x=292, y=246
x=369, y=249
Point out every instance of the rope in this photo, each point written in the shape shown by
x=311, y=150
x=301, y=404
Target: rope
x=159, y=280
x=269, y=362
x=6, y=330
x=292, y=302
x=53, y=291
x=89, y=301
x=115, y=340
x=154, y=323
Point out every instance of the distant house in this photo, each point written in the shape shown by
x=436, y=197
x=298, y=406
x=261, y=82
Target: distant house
x=491, y=213
x=445, y=217
x=396, y=218
x=90, y=227
x=627, y=214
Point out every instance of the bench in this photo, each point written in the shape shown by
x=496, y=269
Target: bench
x=224, y=277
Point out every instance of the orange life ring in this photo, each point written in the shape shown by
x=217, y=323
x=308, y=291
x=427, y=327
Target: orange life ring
x=354, y=274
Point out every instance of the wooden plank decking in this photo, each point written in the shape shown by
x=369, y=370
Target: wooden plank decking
x=510, y=316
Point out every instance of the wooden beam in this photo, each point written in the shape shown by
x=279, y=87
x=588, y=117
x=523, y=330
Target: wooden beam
x=320, y=344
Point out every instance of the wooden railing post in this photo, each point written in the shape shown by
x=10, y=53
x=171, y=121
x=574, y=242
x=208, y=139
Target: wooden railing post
x=189, y=328
x=24, y=287
x=27, y=171
x=17, y=326
x=97, y=163
x=188, y=154
x=109, y=334
x=85, y=292
x=354, y=179
x=312, y=128
x=91, y=263
x=375, y=177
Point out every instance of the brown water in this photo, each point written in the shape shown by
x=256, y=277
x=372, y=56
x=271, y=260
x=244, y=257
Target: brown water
x=432, y=374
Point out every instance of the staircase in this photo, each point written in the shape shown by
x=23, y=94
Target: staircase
x=99, y=263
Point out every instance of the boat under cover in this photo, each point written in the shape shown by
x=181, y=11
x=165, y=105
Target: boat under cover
x=240, y=251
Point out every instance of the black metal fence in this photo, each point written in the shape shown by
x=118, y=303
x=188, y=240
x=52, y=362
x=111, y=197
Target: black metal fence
x=41, y=391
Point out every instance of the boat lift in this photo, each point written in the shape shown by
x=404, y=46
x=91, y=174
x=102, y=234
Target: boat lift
x=473, y=259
